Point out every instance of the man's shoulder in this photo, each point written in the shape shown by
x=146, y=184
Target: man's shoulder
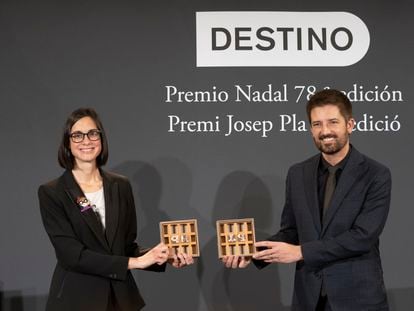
x=371, y=163
x=313, y=160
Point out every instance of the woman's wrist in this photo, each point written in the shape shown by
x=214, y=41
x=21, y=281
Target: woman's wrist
x=134, y=263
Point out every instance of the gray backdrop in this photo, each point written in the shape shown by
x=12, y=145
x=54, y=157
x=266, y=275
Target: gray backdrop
x=118, y=56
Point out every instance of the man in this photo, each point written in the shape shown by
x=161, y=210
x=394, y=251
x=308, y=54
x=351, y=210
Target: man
x=335, y=209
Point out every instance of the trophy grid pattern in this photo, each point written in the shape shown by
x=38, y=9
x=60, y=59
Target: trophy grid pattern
x=235, y=237
x=180, y=237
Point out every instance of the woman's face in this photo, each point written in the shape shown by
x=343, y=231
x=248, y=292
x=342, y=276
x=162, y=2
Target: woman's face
x=87, y=150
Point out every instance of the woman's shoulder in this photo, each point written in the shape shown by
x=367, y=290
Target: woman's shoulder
x=114, y=177
x=52, y=187
x=52, y=184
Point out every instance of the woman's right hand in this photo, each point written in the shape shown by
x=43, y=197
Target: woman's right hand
x=157, y=255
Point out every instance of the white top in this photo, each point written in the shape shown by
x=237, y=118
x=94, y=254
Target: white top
x=97, y=200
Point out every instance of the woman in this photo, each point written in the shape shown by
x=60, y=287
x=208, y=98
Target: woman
x=89, y=215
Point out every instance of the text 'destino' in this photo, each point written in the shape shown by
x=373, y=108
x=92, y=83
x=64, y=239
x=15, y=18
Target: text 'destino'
x=244, y=39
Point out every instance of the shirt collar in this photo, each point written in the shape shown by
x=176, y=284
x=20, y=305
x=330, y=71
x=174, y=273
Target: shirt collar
x=323, y=164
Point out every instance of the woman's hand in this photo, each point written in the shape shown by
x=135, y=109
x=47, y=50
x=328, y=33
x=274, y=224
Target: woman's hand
x=157, y=255
x=180, y=260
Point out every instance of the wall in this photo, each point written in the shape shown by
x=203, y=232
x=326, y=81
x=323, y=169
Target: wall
x=119, y=57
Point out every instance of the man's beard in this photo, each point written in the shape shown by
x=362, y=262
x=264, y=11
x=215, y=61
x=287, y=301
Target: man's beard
x=333, y=146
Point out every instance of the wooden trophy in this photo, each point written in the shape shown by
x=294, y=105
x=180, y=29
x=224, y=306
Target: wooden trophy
x=235, y=237
x=181, y=236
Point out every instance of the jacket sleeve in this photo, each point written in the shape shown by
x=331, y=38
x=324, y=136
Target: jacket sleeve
x=70, y=252
x=364, y=233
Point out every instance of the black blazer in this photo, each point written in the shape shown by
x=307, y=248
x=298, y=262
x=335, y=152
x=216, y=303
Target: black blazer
x=343, y=254
x=89, y=261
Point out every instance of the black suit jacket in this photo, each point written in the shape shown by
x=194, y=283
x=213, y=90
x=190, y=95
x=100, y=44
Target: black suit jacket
x=89, y=261
x=343, y=253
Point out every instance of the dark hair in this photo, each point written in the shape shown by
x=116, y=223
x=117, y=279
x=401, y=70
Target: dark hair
x=65, y=156
x=330, y=97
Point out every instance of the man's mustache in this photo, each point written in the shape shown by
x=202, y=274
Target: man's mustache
x=321, y=137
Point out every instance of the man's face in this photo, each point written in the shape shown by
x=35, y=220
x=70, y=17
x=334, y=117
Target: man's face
x=330, y=130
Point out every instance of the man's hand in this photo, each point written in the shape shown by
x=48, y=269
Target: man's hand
x=235, y=262
x=278, y=252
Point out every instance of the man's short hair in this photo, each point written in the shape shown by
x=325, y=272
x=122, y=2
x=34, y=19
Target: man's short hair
x=330, y=97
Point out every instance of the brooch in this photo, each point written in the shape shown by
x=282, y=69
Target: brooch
x=84, y=204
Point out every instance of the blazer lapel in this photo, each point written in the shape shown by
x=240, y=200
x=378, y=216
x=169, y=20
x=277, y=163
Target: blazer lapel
x=310, y=179
x=74, y=191
x=350, y=174
x=111, y=192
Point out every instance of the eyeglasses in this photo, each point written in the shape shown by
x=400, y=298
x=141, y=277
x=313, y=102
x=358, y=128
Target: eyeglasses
x=78, y=137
